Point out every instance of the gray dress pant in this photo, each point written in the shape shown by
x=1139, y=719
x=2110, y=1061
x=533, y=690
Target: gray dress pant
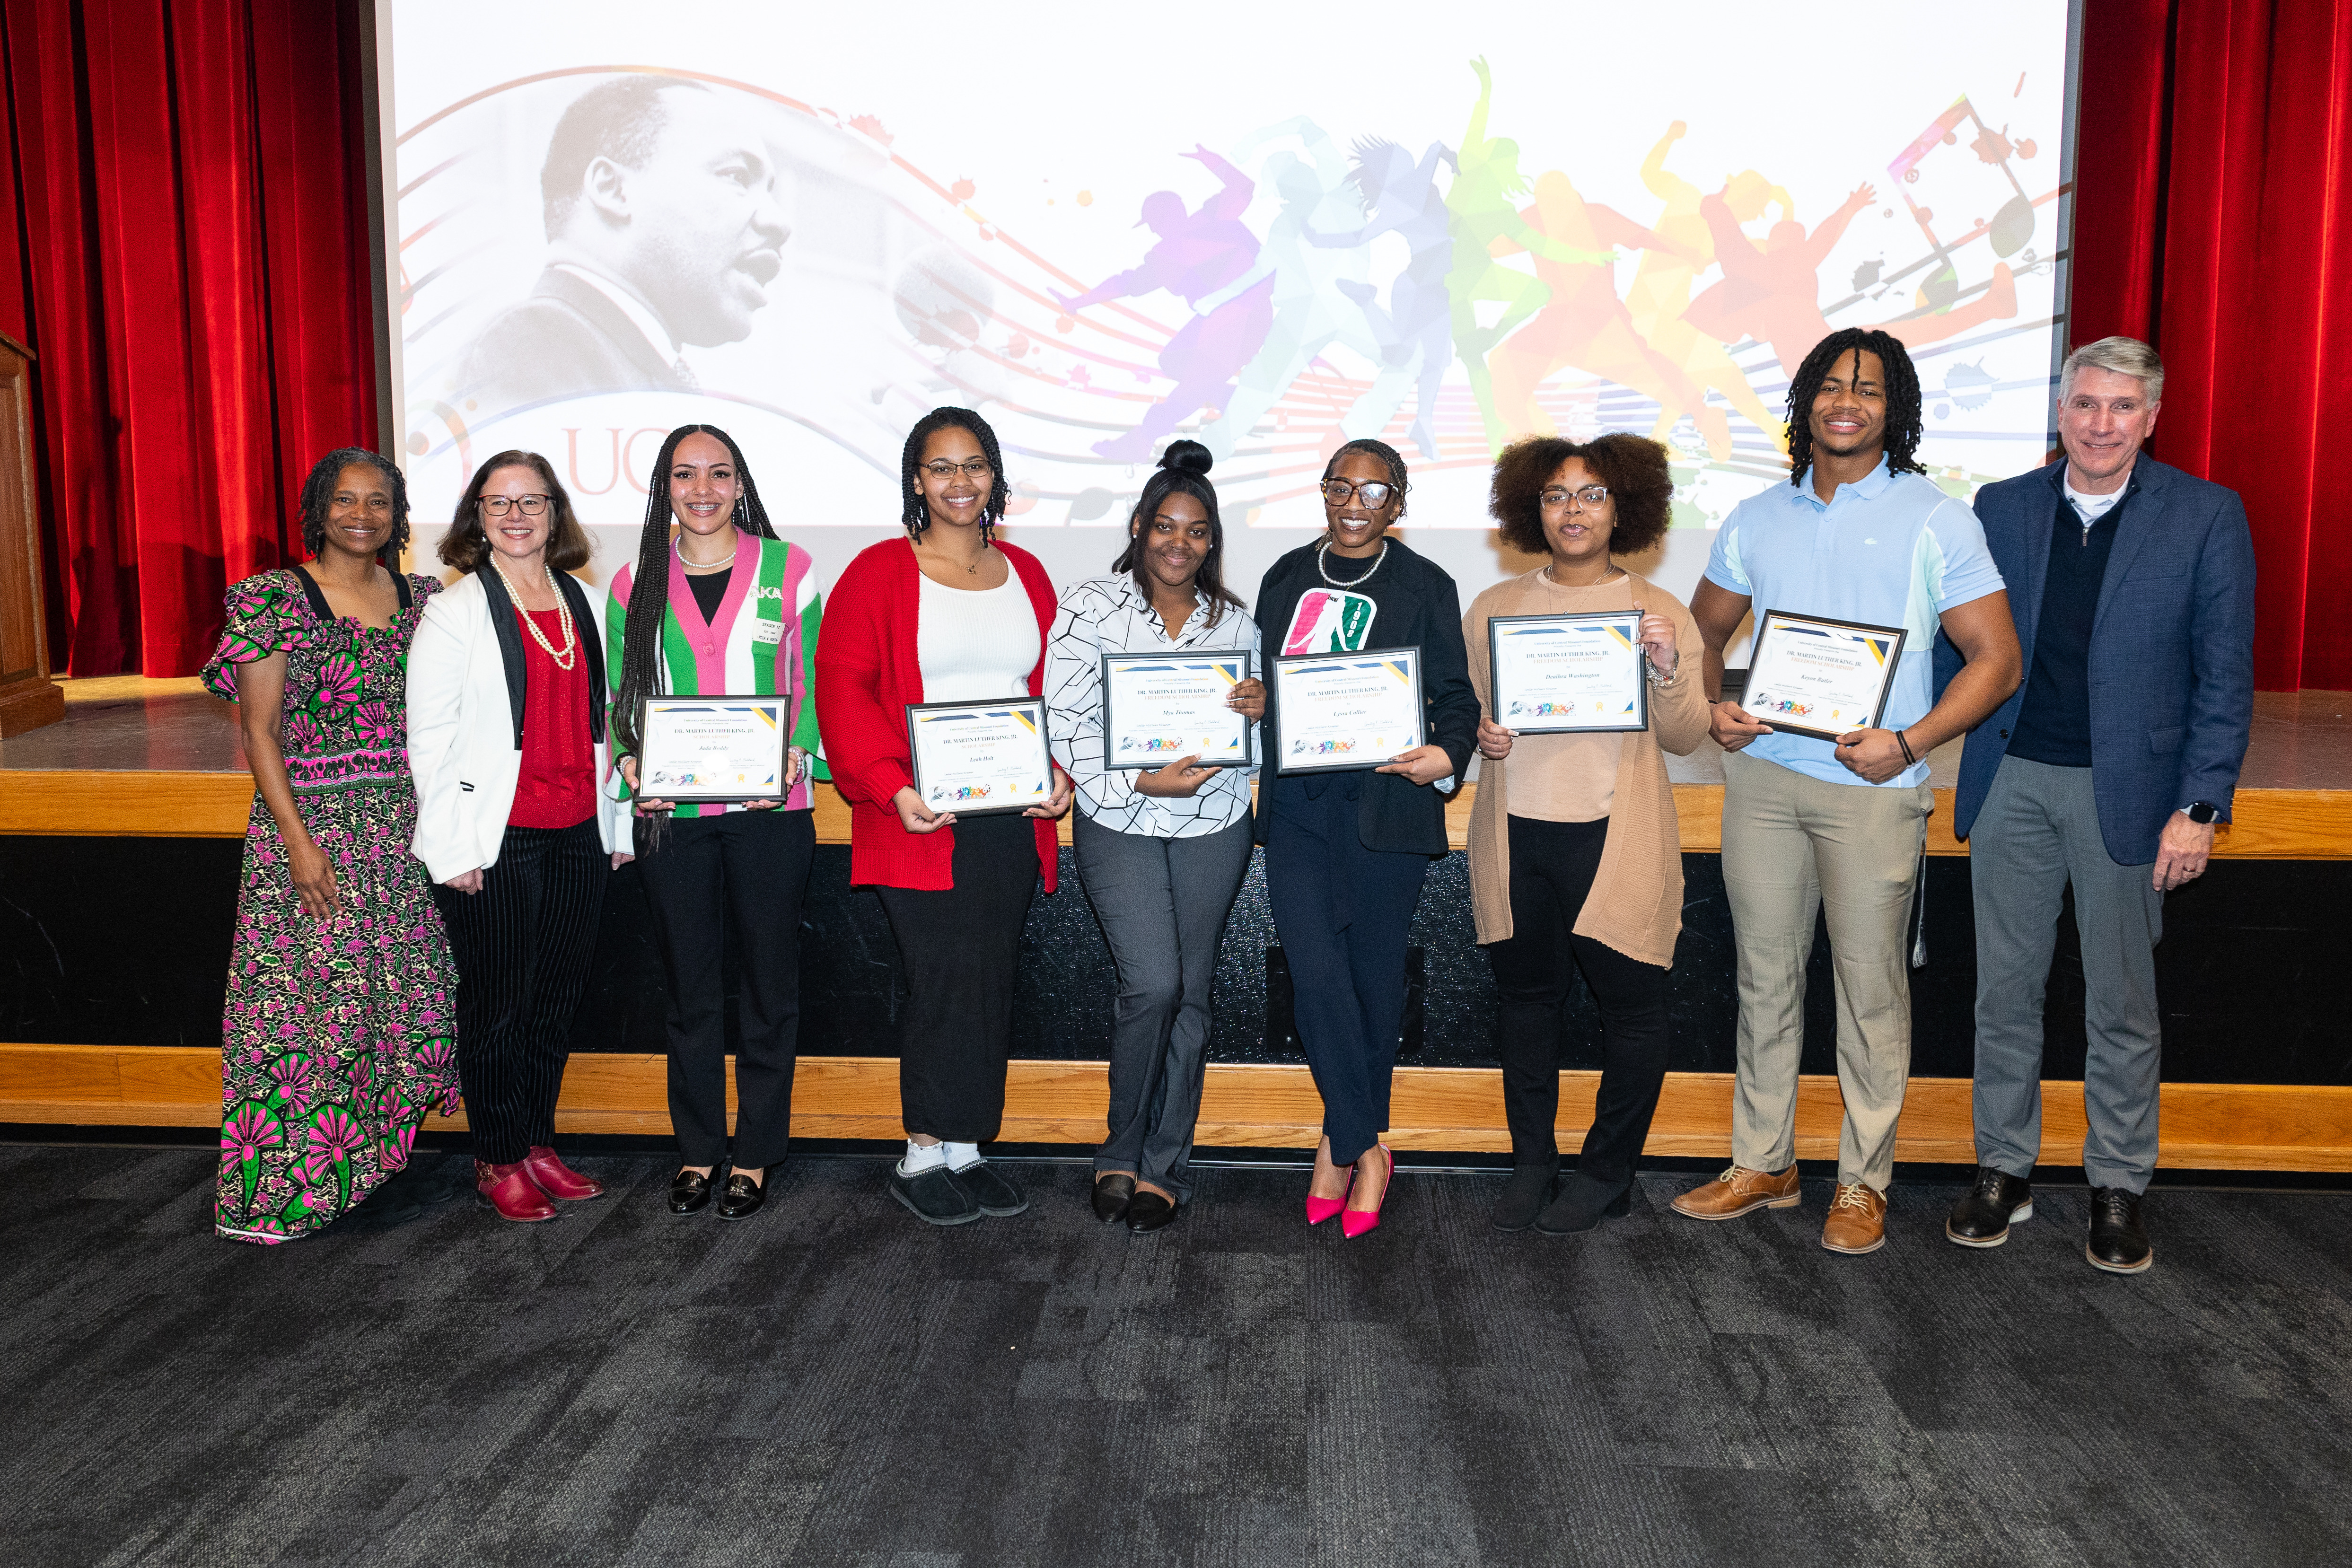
x=1162, y=904
x=2039, y=830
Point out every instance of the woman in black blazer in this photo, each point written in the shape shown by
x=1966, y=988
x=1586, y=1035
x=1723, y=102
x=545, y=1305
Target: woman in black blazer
x=1345, y=852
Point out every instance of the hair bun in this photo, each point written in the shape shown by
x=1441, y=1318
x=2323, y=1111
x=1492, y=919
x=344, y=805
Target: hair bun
x=1187, y=458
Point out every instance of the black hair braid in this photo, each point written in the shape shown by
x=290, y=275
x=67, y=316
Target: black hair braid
x=1904, y=425
x=319, y=492
x=641, y=664
x=1389, y=456
x=914, y=513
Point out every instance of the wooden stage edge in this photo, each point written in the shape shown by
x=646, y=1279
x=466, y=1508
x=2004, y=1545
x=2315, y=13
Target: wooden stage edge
x=2205, y=1127
x=2272, y=824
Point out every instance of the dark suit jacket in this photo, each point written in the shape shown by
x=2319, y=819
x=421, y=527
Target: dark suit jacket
x=1417, y=606
x=2172, y=648
x=564, y=339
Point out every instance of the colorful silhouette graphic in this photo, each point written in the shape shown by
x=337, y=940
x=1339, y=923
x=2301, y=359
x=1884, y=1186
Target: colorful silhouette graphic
x=1415, y=331
x=1199, y=253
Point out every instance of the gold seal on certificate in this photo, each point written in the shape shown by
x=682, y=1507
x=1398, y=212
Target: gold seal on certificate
x=1551, y=674
x=1336, y=711
x=1809, y=675
x=1157, y=708
x=976, y=758
x=715, y=748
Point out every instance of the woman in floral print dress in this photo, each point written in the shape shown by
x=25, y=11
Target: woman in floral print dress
x=337, y=1038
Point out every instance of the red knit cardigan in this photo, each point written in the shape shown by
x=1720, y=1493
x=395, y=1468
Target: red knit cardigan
x=867, y=670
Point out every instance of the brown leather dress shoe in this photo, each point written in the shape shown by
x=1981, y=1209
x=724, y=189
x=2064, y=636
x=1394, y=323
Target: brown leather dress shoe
x=1857, y=1221
x=510, y=1191
x=1739, y=1191
x=557, y=1179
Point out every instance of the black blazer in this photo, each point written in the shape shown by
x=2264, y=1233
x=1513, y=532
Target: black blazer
x=1417, y=606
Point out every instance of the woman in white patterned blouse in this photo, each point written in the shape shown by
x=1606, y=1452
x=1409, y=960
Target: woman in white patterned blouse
x=1161, y=853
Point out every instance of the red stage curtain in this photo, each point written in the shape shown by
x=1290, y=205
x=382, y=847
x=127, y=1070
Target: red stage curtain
x=2214, y=220
x=190, y=266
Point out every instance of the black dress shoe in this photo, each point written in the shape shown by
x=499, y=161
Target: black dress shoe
x=2118, y=1242
x=1583, y=1204
x=689, y=1193
x=742, y=1196
x=1998, y=1201
x=1525, y=1195
x=992, y=1190
x=936, y=1197
x=1147, y=1213
x=1112, y=1195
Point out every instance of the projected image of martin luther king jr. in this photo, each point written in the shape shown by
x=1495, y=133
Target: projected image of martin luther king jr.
x=665, y=227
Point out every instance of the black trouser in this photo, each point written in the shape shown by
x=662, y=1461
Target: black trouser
x=751, y=867
x=960, y=949
x=523, y=946
x=1344, y=915
x=1552, y=868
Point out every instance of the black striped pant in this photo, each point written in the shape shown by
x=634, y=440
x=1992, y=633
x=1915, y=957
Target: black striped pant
x=523, y=946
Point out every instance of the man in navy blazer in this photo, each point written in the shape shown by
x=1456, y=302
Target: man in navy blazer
x=2133, y=588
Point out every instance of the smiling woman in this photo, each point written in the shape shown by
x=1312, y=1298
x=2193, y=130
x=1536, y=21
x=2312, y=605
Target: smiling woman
x=329, y=1062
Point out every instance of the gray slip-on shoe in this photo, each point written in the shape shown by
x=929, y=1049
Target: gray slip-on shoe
x=992, y=1190
x=936, y=1197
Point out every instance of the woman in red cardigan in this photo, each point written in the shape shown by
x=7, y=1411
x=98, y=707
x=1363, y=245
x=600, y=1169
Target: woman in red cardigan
x=947, y=614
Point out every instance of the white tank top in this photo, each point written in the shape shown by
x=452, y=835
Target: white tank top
x=975, y=645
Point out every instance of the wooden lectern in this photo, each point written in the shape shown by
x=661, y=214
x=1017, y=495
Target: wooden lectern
x=28, y=698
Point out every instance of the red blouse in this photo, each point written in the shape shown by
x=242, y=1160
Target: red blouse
x=558, y=785
x=867, y=670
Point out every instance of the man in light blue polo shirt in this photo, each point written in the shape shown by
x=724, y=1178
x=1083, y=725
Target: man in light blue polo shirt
x=1859, y=534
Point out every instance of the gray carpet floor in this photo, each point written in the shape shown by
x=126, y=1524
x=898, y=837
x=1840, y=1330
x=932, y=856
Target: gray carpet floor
x=834, y=1383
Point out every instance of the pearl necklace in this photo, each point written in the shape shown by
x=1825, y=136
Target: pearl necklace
x=1334, y=582
x=564, y=656
x=709, y=566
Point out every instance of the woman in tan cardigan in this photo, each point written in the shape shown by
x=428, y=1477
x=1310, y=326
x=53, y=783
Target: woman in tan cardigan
x=1575, y=857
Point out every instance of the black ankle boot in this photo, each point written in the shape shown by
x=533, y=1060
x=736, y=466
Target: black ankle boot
x=1525, y=1195
x=1583, y=1204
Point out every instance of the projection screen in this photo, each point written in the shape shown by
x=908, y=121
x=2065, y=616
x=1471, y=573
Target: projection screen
x=1268, y=227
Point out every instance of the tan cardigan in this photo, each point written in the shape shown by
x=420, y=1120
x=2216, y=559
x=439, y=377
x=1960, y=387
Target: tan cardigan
x=1636, y=902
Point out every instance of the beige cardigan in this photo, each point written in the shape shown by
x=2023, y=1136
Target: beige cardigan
x=1636, y=902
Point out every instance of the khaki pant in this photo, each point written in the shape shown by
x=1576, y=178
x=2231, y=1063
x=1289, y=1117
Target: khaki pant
x=1793, y=845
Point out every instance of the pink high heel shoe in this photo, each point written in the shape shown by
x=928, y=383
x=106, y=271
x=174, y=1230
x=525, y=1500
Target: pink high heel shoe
x=1320, y=1209
x=1355, y=1222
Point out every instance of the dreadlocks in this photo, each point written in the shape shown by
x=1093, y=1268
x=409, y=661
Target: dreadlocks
x=1904, y=426
x=913, y=511
x=1387, y=454
x=641, y=661
x=319, y=490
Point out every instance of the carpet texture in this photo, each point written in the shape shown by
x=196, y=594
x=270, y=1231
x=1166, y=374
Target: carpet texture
x=834, y=1383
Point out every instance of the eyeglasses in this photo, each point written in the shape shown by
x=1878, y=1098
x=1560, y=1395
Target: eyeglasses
x=1590, y=498
x=976, y=469
x=1374, y=493
x=528, y=505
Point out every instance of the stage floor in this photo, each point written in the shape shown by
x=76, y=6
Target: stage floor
x=2302, y=740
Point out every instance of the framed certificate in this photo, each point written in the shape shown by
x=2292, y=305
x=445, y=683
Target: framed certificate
x=1157, y=707
x=1551, y=674
x=715, y=748
x=1809, y=675
x=1338, y=711
x=978, y=758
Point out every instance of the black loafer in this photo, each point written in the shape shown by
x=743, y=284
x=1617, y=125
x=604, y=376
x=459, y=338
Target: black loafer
x=691, y=1193
x=2118, y=1242
x=1998, y=1201
x=1112, y=1195
x=1583, y=1204
x=1525, y=1195
x=992, y=1190
x=1149, y=1212
x=742, y=1197
x=935, y=1196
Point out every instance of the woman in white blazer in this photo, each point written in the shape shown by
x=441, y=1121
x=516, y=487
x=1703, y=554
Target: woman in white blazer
x=507, y=738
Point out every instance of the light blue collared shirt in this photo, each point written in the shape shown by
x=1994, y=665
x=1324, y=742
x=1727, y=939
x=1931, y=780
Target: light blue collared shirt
x=1892, y=549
